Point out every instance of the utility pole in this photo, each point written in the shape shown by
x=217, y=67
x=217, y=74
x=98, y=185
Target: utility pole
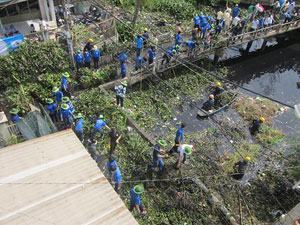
x=68, y=32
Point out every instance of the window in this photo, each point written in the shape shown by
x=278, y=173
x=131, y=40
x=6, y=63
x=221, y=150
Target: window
x=33, y=5
x=3, y=13
x=12, y=10
x=22, y=7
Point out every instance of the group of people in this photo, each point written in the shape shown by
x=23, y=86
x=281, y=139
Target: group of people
x=90, y=54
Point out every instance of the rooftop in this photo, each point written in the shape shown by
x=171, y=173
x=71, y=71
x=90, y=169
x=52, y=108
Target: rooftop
x=53, y=180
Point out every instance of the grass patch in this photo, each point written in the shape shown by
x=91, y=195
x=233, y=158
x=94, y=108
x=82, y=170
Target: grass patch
x=250, y=108
x=269, y=136
x=245, y=149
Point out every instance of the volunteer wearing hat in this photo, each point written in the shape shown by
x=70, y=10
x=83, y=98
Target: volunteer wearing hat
x=14, y=116
x=78, y=128
x=57, y=94
x=52, y=108
x=183, y=151
x=218, y=90
x=66, y=115
x=96, y=56
x=158, y=155
x=256, y=124
x=100, y=124
x=120, y=91
x=240, y=167
x=87, y=59
x=136, y=199
x=64, y=84
x=69, y=103
x=78, y=58
x=89, y=45
x=116, y=176
x=145, y=36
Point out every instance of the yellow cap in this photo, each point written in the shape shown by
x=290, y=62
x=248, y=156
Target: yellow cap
x=218, y=84
x=211, y=96
x=262, y=119
x=146, y=29
x=90, y=40
x=95, y=47
x=248, y=158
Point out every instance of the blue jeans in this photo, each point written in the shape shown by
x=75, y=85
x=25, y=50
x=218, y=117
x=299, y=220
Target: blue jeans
x=159, y=163
x=138, y=52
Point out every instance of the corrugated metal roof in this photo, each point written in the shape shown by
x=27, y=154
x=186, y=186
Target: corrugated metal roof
x=53, y=180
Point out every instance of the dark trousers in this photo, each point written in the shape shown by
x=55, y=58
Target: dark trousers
x=113, y=146
x=138, y=52
x=174, y=148
x=142, y=209
x=165, y=58
x=120, y=100
x=79, y=135
x=96, y=63
x=150, y=60
x=54, y=117
x=88, y=64
x=78, y=66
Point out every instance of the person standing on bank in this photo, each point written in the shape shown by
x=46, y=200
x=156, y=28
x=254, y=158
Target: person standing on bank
x=114, y=140
x=179, y=139
x=120, y=93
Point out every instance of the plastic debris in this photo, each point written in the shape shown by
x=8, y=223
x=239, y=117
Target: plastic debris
x=297, y=111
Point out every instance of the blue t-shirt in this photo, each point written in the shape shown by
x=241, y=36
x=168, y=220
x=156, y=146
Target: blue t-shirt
x=151, y=53
x=191, y=44
x=111, y=164
x=66, y=114
x=178, y=39
x=79, y=125
x=122, y=57
x=169, y=52
x=179, y=135
x=117, y=176
x=58, y=96
x=96, y=54
x=78, y=58
x=203, y=21
x=71, y=107
x=15, y=118
x=235, y=11
x=52, y=108
x=64, y=83
x=139, y=61
x=87, y=57
x=135, y=199
x=139, y=42
x=99, y=125
x=197, y=20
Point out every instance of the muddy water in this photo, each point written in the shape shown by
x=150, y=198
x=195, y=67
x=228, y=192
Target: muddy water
x=274, y=74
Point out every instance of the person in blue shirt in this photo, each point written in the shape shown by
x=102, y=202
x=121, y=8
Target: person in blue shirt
x=191, y=44
x=179, y=139
x=96, y=56
x=57, y=94
x=168, y=55
x=64, y=84
x=158, y=155
x=100, y=124
x=52, y=108
x=78, y=58
x=69, y=103
x=14, y=116
x=136, y=199
x=78, y=127
x=112, y=162
x=87, y=59
x=236, y=11
x=116, y=176
x=256, y=124
x=178, y=38
x=151, y=55
x=66, y=115
x=139, y=62
x=261, y=22
x=139, y=44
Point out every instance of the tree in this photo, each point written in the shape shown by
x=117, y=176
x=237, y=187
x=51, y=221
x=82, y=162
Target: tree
x=138, y=7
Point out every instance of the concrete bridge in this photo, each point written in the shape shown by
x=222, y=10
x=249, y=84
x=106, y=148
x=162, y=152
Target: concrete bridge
x=216, y=48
